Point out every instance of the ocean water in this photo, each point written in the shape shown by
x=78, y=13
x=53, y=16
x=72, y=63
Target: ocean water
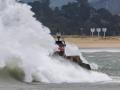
x=26, y=47
x=107, y=60
x=26, y=62
x=102, y=60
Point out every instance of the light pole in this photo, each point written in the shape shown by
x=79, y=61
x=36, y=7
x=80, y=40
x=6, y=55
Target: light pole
x=104, y=31
x=92, y=31
x=98, y=30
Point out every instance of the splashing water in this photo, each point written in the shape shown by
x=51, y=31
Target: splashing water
x=25, y=45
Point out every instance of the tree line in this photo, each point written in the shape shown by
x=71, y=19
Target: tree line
x=75, y=18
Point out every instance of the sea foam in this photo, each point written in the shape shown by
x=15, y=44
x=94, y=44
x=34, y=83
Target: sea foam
x=26, y=45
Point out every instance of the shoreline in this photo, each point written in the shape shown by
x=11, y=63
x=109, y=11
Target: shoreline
x=95, y=42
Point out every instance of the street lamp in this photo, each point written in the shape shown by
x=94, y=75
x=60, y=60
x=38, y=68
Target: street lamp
x=92, y=31
x=104, y=31
x=98, y=30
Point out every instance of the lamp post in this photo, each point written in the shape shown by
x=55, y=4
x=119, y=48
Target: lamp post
x=92, y=31
x=98, y=30
x=104, y=31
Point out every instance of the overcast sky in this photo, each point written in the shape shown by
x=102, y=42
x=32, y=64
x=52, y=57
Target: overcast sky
x=63, y=0
x=55, y=3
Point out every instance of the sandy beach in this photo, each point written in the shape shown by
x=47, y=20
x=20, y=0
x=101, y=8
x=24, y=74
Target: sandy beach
x=95, y=42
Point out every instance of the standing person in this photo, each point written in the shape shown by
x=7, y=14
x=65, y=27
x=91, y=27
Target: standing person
x=61, y=46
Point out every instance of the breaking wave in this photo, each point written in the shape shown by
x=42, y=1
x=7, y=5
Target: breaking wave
x=26, y=45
